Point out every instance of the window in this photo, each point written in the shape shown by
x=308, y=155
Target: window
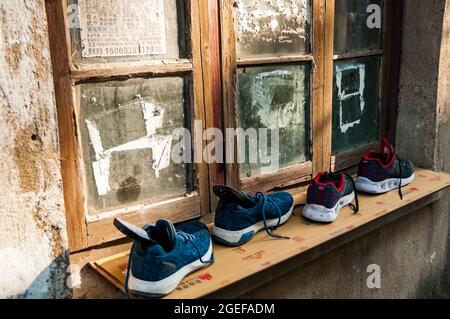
x=127, y=74
x=358, y=64
x=268, y=52
x=315, y=70
x=310, y=75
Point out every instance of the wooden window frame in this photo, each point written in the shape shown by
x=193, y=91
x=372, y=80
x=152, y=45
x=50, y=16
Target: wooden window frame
x=85, y=232
x=322, y=58
x=230, y=63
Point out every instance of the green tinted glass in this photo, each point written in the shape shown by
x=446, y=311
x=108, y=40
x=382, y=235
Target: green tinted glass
x=354, y=26
x=355, y=103
x=276, y=97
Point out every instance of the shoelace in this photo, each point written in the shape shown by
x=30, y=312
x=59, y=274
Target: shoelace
x=400, y=163
x=185, y=237
x=269, y=230
x=354, y=207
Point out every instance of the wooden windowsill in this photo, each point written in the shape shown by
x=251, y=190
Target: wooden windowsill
x=238, y=270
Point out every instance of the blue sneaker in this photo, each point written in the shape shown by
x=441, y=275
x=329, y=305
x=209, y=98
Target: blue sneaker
x=327, y=194
x=239, y=216
x=162, y=255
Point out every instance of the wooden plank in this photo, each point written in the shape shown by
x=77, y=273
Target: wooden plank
x=216, y=78
x=354, y=55
x=319, y=144
x=82, y=258
x=328, y=85
x=278, y=179
x=179, y=210
x=209, y=12
x=228, y=44
x=102, y=71
x=345, y=160
x=274, y=60
x=263, y=252
x=70, y=150
x=199, y=102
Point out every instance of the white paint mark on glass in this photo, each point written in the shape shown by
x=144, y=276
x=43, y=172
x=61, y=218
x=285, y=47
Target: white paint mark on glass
x=101, y=175
x=343, y=95
x=160, y=145
x=96, y=140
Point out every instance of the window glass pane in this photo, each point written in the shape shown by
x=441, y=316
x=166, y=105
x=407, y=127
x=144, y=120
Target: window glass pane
x=117, y=30
x=352, y=32
x=126, y=135
x=272, y=28
x=275, y=97
x=355, y=103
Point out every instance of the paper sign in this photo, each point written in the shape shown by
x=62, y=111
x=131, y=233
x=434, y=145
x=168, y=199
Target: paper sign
x=122, y=28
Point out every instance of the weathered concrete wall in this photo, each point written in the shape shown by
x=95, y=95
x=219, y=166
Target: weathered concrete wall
x=443, y=109
x=422, y=81
x=33, y=239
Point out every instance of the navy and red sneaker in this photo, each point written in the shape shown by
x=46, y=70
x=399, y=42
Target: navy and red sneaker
x=328, y=194
x=381, y=172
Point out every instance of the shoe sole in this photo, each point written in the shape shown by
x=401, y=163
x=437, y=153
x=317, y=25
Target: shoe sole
x=240, y=237
x=322, y=214
x=161, y=288
x=365, y=185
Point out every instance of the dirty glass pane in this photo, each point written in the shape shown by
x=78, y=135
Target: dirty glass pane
x=272, y=28
x=126, y=135
x=117, y=30
x=352, y=32
x=275, y=98
x=355, y=103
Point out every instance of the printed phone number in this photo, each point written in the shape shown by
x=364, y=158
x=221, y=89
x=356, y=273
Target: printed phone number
x=124, y=50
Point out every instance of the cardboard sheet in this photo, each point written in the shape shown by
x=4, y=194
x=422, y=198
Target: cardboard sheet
x=234, y=264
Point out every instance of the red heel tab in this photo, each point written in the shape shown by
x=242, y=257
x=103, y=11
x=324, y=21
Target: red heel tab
x=386, y=147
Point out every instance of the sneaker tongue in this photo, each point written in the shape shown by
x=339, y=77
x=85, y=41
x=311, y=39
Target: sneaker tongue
x=133, y=231
x=165, y=234
x=233, y=195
